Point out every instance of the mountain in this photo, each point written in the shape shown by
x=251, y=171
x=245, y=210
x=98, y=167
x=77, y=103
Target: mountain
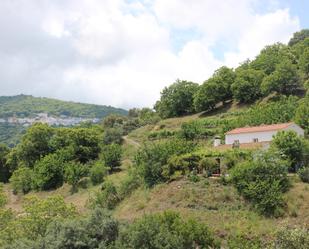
x=28, y=106
x=19, y=112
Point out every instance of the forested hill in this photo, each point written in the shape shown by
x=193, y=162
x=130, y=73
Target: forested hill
x=29, y=106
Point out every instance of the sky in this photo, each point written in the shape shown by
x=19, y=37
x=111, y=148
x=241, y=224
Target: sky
x=124, y=52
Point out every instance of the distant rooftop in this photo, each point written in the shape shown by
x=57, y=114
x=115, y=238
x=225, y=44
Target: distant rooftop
x=261, y=128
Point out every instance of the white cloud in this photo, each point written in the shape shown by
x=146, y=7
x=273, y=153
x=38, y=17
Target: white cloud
x=121, y=53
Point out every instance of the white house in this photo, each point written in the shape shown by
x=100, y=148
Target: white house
x=259, y=134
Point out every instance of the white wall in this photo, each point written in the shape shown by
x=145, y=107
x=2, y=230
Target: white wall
x=264, y=136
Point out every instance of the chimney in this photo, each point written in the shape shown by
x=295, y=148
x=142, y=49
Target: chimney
x=217, y=141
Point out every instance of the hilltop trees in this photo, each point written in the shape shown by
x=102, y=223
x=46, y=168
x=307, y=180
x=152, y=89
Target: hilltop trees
x=4, y=170
x=246, y=87
x=177, y=99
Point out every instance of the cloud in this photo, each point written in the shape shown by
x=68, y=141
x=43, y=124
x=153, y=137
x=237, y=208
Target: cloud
x=122, y=53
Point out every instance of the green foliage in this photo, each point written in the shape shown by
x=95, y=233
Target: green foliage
x=112, y=135
x=283, y=80
x=161, y=134
x=207, y=96
x=167, y=230
x=196, y=129
x=290, y=146
x=246, y=88
x=292, y=238
x=131, y=182
x=27, y=106
x=97, y=172
x=49, y=172
x=270, y=57
x=262, y=181
x=22, y=180
x=299, y=36
x=98, y=230
x=34, y=144
x=304, y=174
x=111, y=155
x=302, y=113
x=4, y=169
x=177, y=99
x=3, y=197
x=151, y=159
x=73, y=172
x=108, y=197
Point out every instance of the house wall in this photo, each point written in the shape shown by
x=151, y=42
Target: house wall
x=264, y=136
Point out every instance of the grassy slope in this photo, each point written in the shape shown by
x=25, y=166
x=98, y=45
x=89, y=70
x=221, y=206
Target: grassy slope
x=217, y=205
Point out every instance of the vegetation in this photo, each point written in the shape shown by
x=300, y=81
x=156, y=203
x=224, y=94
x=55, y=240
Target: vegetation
x=126, y=166
x=262, y=181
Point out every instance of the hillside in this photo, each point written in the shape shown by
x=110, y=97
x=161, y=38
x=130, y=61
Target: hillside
x=21, y=111
x=29, y=106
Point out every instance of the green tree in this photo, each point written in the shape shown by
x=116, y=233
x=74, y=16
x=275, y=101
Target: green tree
x=207, y=96
x=49, y=172
x=246, y=88
x=152, y=158
x=111, y=155
x=299, y=36
x=34, y=144
x=73, y=172
x=177, y=99
x=97, y=172
x=4, y=169
x=271, y=56
x=290, y=146
x=283, y=80
x=22, y=180
x=224, y=77
x=302, y=113
x=112, y=135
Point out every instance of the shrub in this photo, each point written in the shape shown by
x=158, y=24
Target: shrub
x=304, y=174
x=49, y=172
x=73, y=172
x=167, y=230
x=3, y=198
x=209, y=164
x=290, y=145
x=262, y=181
x=129, y=184
x=195, y=130
x=21, y=180
x=151, y=159
x=296, y=238
x=108, y=197
x=97, y=172
x=112, y=135
x=112, y=155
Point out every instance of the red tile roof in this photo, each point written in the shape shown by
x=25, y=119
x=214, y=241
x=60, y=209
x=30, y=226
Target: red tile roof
x=261, y=128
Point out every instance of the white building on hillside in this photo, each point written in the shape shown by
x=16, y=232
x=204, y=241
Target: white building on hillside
x=263, y=133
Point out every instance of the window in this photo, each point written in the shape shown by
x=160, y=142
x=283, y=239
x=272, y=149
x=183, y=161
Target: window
x=255, y=140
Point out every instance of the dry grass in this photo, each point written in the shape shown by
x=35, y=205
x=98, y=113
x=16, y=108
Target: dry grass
x=218, y=206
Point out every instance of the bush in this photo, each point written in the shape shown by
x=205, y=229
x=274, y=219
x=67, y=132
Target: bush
x=262, y=181
x=73, y=172
x=108, y=197
x=3, y=198
x=304, y=174
x=21, y=180
x=210, y=165
x=129, y=184
x=112, y=135
x=195, y=130
x=296, y=238
x=49, y=172
x=111, y=155
x=167, y=230
x=151, y=159
x=97, y=172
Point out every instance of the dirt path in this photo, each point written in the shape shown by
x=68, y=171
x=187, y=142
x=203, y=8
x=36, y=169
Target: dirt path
x=131, y=141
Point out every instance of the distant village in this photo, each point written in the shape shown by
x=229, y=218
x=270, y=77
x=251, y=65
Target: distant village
x=62, y=120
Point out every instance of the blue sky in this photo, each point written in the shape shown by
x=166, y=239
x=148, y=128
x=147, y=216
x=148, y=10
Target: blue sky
x=123, y=52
